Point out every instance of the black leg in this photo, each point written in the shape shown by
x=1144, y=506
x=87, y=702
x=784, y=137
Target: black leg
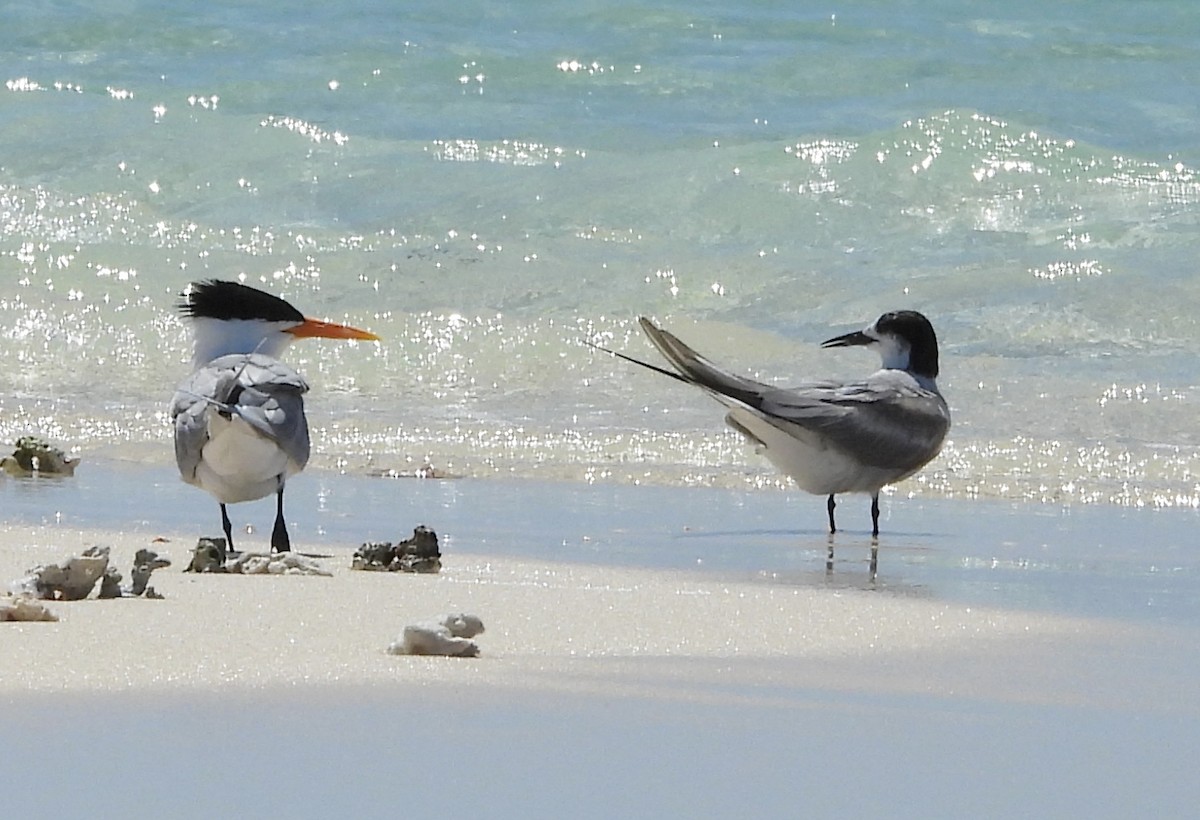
x=829, y=506
x=874, y=559
x=279, y=536
x=875, y=515
x=228, y=530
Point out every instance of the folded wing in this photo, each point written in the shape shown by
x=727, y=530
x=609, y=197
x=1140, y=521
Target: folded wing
x=888, y=421
x=263, y=392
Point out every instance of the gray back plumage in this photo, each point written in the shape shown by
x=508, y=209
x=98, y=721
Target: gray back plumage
x=262, y=391
x=887, y=421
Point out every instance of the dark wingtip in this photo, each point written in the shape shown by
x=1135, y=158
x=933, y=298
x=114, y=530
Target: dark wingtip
x=648, y=326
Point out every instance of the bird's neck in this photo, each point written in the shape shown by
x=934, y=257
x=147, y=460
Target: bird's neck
x=215, y=338
x=899, y=355
x=926, y=382
x=893, y=354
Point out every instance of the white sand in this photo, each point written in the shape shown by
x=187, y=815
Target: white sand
x=600, y=692
x=553, y=626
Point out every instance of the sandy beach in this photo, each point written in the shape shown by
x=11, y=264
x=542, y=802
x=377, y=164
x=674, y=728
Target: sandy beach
x=550, y=626
x=605, y=688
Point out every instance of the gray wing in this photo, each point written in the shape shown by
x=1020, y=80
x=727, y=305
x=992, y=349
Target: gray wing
x=887, y=421
x=262, y=391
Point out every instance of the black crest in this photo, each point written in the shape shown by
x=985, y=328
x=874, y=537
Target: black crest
x=218, y=299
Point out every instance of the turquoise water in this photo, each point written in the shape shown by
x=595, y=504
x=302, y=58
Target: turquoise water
x=487, y=185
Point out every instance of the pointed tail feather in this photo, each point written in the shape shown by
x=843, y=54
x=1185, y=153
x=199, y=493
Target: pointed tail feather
x=696, y=369
x=639, y=362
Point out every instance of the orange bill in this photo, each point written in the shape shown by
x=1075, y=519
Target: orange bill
x=315, y=328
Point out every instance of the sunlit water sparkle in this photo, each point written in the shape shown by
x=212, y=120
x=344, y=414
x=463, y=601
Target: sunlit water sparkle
x=488, y=191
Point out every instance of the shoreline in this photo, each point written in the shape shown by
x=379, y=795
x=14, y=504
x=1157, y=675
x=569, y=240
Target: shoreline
x=565, y=627
x=1084, y=560
x=673, y=652
x=542, y=618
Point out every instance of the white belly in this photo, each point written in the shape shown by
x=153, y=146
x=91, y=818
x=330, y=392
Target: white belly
x=808, y=460
x=240, y=464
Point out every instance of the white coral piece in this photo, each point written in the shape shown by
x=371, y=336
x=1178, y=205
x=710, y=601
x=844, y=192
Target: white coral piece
x=447, y=635
x=280, y=563
x=22, y=608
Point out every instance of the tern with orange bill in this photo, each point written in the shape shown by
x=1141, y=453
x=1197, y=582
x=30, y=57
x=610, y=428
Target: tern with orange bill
x=240, y=429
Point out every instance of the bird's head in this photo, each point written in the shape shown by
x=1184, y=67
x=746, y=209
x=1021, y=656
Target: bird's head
x=229, y=317
x=904, y=340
